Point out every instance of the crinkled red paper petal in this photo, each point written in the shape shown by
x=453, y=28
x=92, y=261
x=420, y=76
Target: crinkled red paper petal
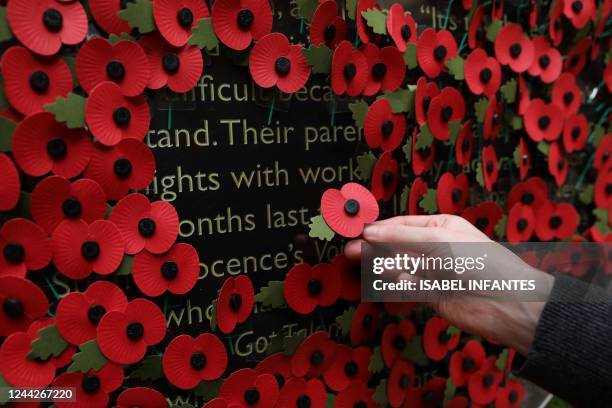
x=165, y=15
x=31, y=237
x=104, y=13
x=10, y=188
x=142, y=397
x=224, y=21
x=17, y=369
x=296, y=291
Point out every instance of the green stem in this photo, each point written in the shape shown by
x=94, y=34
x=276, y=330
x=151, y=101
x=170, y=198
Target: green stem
x=450, y=3
x=169, y=115
x=271, y=109
x=584, y=172
x=55, y=294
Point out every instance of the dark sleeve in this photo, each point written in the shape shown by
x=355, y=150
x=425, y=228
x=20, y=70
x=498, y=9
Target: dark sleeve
x=571, y=355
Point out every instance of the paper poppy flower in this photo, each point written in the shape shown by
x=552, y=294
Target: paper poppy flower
x=429, y=395
x=347, y=210
x=175, y=271
x=246, y=388
x=24, y=246
x=543, y=121
x=174, y=19
x=401, y=378
x=129, y=165
x=385, y=177
x=452, y=193
x=277, y=364
x=547, y=61
x=187, y=361
x=524, y=159
x=145, y=225
x=65, y=357
x=313, y=356
x=466, y=362
x=464, y=144
x=424, y=93
x=493, y=119
x=447, y=107
x=22, y=302
x=532, y=192
x=31, y=82
x=41, y=145
x=395, y=339
x=78, y=314
x=422, y=159
x=92, y=388
x=349, y=70
x=356, y=395
x=366, y=34
x=365, y=322
x=514, y=48
x=476, y=34
x=112, y=117
x=602, y=194
x=307, y=287
x=434, y=48
x=556, y=221
x=43, y=26
x=484, y=383
x=383, y=128
x=401, y=27
x=386, y=69
x=326, y=26
x=80, y=249
x=511, y=395
x=566, y=94
x=238, y=22
x=603, y=153
x=575, y=133
x=55, y=199
x=104, y=13
x=417, y=190
x=555, y=28
x=520, y=224
x=141, y=397
x=10, y=189
x=124, y=63
x=558, y=165
x=348, y=365
x=178, y=68
x=17, y=369
x=482, y=73
x=490, y=167
x=274, y=61
x=235, y=302
x=484, y=216
x=350, y=277
x=437, y=342
x=577, y=56
x=301, y=393
x=579, y=12
x=123, y=336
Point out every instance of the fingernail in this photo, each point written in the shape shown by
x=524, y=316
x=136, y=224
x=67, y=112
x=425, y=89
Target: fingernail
x=370, y=231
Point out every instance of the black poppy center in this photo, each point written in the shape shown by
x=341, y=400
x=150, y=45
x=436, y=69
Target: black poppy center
x=555, y=222
x=482, y=223
x=560, y=164
x=429, y=397
x=185, y=17
x=169, y=270
x=489, y=167
x=13, y=308
x=14, y=253
x=351, y=207
x=57, y=149
x=443, y=337
x=386, y=128
x=39, y=82
x=90, y=250
x=424, y=153
x=171, y=63
x=122, y=168
x=367, y=321
x=521, y=225
x=146, y=227
x=605, y=156
x=282, y=66
x=350, y=70
x=95, y=313
x=544, y=61
x=440, y=53
x=467, y=364
x=251, y=396
x=245, y=19
x=351, y=368
x=575, y=133
x=577, y=6
x=71, y=207
x=404, y=381
x=487, y=380
x=608, y=189
x=316, y=358
x=405, y=32
x=544, y=122
x=303, y=401
x=53, y=20
x=379, y=70
x=515, y=50
x=122, y=117
x=446, y=113
x=387, y=178
x=465, y=145
x=115, y=71
x=134, y=331
x=329, y=33
x=235, y=302
x=399, y=343
x=198, y=361
x=456, y=195
x=90, y=384
x=574, y=60
x=527, y=198
x=568, y=98
x=486, y=75
x=360, y=404
x=426, y=102
x=525, y=157
x=315, y=287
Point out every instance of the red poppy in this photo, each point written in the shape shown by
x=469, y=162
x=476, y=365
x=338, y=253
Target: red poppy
x=347, y=210
x=176, y=271
x=365, y=323
x=327, y=27
x=523, y=95
x=357, y=395
x=425, y=92
x=566, y=94
x=511, y=395
x=532, y=192
x=575, y=133
x=277, y=364
x=301, y=393
x=543, y=121
x=476, y=34
x=349, y=70
x=17, y=369
x=385, y=177
x=464, y=144
x=395, y=339
x=514, y=48
x=482, y=73
x=145, y=225
x=401, y=378
x=44, y=25
x=418, y=189
x=484, y=216
x=484, y=383
x=401, y=27
x=31, y=82
x=78, y=314
x=123, y=336
x=382, y=128
x=547, y=61
x=524, y=159
x=104, y=13
x=174, y=19
x=556, y=221
x=603, y=153
x=458, y=402
x=350, y=277
x=307, y=287
x=238, y=22
x=466, y=362
x=141, y=397
x=607, y=76
x=520, y=223
x=11, y=185
x=363, y=30
x=22, y=302
x=124, y=63
x=436, y=340
x=25, y=246
x=91, y=389
x=434, y=48
x=577, y=56
x=490, y=167
x=112, y=117
x=386, y=69
x=533, y=14
x=557, y=163
x=445, y=108
x=65, y=357
x=429, y=395
x=493, y=119
x=55, y=199
x=235, y=302
x=188, y=361
x=313, y=356
x=178, y=68
x=348, y=365
x=422, y=159
x=555, y=28
x=579, y=12
x=129, y=164
x=452, y=193
x=603, y=189
x=246, y=388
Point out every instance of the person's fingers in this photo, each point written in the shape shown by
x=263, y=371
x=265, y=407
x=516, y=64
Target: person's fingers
x=410, y=220
x=402, y=233
x=352, y=249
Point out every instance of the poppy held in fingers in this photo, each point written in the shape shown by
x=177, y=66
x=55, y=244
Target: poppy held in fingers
x=447, y=107
x=235, y=303
x=350, y=277
x=10, y=189
x=239, y=22
x=547, y=61
x=24, y=246
x=307, y=287
x=484, y=216
x=425, y=92
x=482, y=73
x=575, y=133
x=55, y=199
x=78, y=314
x=464, y=144
x=386, y=67
x=556, y=221
x=17, y=369
x=422, y=159
x=579, y=12
x=466, y=362
x=313, y=356
x=437, y=342
x=543, y=121
x=401, y=27
x=558, y=165
x=327, y=27
x=246, y=388
x=277, y=364
x=349, y=70
x=187, y=361
x=385, y=177
x=141, y=397
x=348, y=365
x=145, y=225
x=382, y=128
x=347, y=210
x=299, y=393
x=452, y=193
x=22, y=302
x=490, y=167
x=514, y=48
x=123, y=336
x=566, y=94
x=356, y=395
x=174, y=19
x=44, y=25
x=520, y=224
x=429, y=395
x=91, y=388
x=434, y=48
x=418, y=189
x=31, y=82
x=395, y=339
x=402, y=377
